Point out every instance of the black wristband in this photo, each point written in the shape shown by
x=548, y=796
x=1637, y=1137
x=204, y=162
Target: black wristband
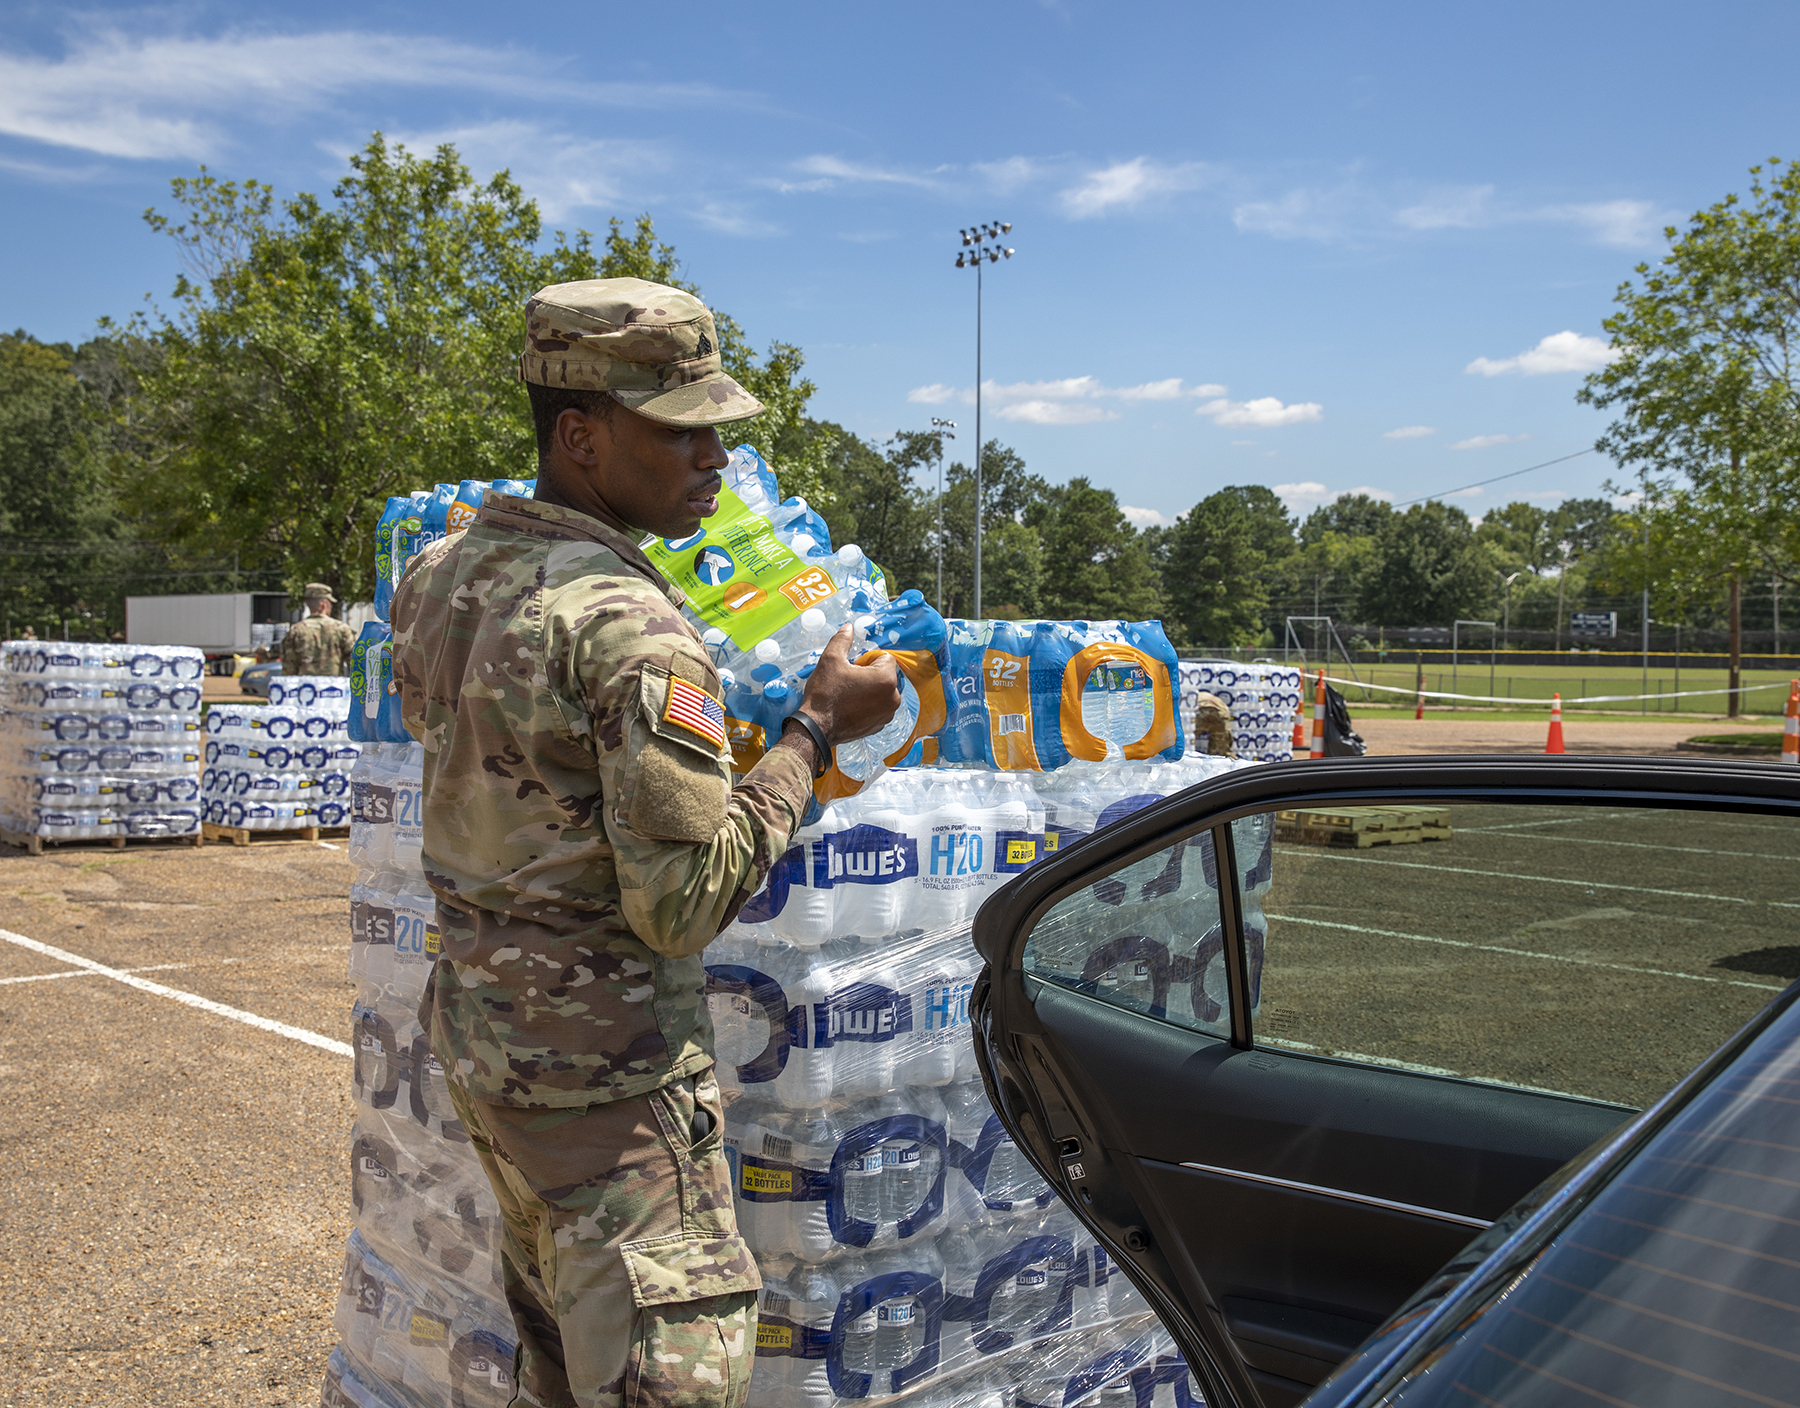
x=821, y=749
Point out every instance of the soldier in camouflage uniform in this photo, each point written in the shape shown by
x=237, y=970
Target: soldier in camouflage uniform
x=1212, y=722
x=585, y=843
x=319, y=645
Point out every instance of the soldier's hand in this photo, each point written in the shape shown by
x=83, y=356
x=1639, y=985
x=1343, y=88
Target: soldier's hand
x=847, y=700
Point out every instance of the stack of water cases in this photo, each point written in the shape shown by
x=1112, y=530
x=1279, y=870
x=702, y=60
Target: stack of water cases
x=909, y=1251
x=1262, y=698
x=99, y=741
x=421, y=1319
x=284, y=764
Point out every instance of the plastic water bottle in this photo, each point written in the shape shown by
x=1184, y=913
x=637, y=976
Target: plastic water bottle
x=409, y=805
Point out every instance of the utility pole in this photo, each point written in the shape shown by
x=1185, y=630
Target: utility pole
x=976, y=251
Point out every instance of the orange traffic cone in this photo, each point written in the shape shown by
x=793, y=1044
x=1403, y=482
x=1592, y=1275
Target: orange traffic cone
x=1419, y=710
x=1298, y=748
x=1555, y=745
x=1318, y=738
x=1790, y=737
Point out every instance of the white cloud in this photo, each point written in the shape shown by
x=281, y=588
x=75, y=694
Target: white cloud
x=1487, y=442
x=166, y=96
x=1125, y=184
x=824, y=172
x=561, y=172
x=1012, y=174
x=1624, y=224
x=1456, y=208
x=1263, y=412
x=1068, y=388
x=1559, y=352
x=1145, y=517
x=1409, y=432
x=1304, y=213
x=1309, y=494
x=1056, y=412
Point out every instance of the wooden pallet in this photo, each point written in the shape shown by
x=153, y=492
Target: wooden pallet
x=1359, y=828
x=35, y=844
x=244, y=835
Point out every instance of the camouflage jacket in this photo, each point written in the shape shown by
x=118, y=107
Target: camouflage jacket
x=584, y=842
x=319, y=645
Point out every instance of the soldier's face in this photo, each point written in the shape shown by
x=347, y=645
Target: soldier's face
x=664, y=479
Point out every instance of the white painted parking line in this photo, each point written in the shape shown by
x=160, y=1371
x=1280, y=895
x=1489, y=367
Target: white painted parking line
x=187, y=999
x=1529, y=953
x=1530, y=879
x=1507, y=834
x=89, y=973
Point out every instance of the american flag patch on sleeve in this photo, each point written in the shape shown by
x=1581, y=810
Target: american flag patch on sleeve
x=696, y=710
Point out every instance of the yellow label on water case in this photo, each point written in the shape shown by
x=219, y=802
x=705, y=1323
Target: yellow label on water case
x=767, y=1180
x=774, y=1337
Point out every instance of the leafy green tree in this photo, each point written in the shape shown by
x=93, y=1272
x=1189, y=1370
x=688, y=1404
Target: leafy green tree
x=1012, y=564
x=1348, y=515
x=1705, y=387
x=322, y=356
x=1095, y=564
x=66, y=551
x=875, y=504
x=1216, y=564
x=1428, y=569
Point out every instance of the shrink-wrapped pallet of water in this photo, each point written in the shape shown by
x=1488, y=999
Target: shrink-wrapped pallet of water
x=99, y=741
x=278, y=766
x=1261, y=696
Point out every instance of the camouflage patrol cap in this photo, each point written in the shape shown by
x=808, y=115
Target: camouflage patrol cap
x=317, y=591
x=653, y=348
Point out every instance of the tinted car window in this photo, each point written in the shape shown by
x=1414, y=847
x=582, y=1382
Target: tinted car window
x=1679, y=1283
x=1601, y=952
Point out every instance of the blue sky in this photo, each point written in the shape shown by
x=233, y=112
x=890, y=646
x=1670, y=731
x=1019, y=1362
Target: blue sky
x=1318, y=247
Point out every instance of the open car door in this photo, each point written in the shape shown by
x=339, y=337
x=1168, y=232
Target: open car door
x=1287, y=1041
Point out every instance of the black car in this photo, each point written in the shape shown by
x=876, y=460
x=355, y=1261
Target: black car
x=1451, y=1081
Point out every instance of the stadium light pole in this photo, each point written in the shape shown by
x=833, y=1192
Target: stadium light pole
x=945, y=431
x=981, y=245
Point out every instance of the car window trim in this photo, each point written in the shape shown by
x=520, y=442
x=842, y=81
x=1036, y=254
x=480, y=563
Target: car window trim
x=1231, y=926
x=1386, y=1204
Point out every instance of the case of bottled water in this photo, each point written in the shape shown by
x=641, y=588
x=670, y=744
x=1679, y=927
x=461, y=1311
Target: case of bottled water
x=277, y=766
x=99, y=740
x=1262, y=698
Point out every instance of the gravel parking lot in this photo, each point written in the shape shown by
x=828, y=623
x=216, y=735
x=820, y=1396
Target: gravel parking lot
x=176, y=1180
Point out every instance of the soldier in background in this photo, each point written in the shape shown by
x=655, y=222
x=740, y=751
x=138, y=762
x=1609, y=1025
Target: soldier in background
x=319, y=645
x=585, y=843
x=1212, y=722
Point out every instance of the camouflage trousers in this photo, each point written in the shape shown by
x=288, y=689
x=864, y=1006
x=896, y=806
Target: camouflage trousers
x=628, y=1283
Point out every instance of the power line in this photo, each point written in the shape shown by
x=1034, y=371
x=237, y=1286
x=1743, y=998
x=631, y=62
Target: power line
x=1496, y=479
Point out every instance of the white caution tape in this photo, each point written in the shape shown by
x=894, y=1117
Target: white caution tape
x=1544, y=703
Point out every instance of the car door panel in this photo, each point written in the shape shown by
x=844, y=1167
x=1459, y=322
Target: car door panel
x=1159, y=1097
x=1275, y=1206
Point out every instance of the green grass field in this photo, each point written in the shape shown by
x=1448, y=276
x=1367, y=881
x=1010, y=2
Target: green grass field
x=1574, y=681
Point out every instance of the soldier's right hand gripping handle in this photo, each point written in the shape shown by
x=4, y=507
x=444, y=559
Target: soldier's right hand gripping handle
x=847, y=700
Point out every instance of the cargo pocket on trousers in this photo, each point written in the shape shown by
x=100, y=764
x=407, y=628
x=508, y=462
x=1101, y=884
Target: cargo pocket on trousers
x=693, y=1342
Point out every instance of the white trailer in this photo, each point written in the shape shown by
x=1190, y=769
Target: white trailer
x=217, y=623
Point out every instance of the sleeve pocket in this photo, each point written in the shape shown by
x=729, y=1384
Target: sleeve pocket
x=680, y=784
